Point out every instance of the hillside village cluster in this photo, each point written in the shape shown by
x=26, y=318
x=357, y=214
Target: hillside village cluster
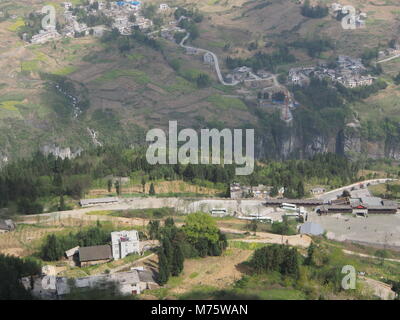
x=128, y=15
x=121, y=14
x=350, y=72
x=123, y=243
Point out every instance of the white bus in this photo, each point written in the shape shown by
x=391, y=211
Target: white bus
x=289, y=206
x=218, y=212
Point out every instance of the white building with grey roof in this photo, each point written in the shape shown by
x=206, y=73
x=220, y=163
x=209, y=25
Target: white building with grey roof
x=124, y=243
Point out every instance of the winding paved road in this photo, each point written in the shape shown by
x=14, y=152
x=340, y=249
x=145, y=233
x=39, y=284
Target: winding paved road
x=332, y=195
x=390, y=58
x=215, y=59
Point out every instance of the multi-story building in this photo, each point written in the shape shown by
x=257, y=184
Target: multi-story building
x=124, y=243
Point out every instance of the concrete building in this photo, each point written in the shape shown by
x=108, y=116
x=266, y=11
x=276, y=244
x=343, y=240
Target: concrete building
x=239, y=192
x=311, y=228
x=317, y=191
x=124, y=243
x=44, y=36
x=52, y=287
x=7, y=225
x=98, y=201
x=164, y=6
x=359, y=206
x=72, y=256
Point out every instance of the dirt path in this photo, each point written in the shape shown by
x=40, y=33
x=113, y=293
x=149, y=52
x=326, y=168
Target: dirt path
x=368, y=256
x=265, y=237
x=131, y=264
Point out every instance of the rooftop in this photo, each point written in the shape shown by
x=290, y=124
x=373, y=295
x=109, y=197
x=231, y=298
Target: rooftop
x=95, y=253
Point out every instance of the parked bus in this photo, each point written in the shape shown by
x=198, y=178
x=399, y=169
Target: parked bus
x=289, y=206
x=218, y=212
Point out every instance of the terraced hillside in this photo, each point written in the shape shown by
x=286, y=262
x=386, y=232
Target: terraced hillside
x=123, y=94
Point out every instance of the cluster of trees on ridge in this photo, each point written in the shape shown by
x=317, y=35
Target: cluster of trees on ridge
x=263, y=60
x=199, y=237
x=55, y=245
x=318, y=11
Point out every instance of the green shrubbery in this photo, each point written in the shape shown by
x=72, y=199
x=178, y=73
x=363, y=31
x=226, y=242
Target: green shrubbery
x=199, y=237
x=12, y=269
x=54, y=245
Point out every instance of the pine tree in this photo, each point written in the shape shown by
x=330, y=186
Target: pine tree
x=300, y=189
x=62, y=205
x=117, y=187
x=168, y=250
x=152, y=191
x=154, y=229
x=163, y=270
x=144, y=185
x=177, y=261
x=310, y=254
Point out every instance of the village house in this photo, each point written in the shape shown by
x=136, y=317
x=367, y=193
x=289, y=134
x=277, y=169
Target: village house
x=45, y=35
x=350, y=72
x=238, y=191
x=52, y=287
x=164, y=6
x=89, y=256
x=124, y=243
x=7, y=225
x=317, y=191
x=72, y=256
x=208, y=58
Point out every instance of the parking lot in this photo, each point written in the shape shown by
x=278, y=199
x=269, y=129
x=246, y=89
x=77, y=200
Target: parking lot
x=383, y=229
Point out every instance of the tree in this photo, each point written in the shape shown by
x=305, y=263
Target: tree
x=152, y=191
x=154, y=229
x=168, y=250
x=253, y=225
x=117, y=187
x=382, y=254
x=397, y=79
x=163, y=271
x=144, y=184
x=200, y=225
x=203, y=81
x=52, y=249
x=109, y=185
x=300, y=189
x=346, y=194
x=12, y=269
x=310, y=254
x=274, y=191
x=169, y=222
x=62, y=206
x=177, y=261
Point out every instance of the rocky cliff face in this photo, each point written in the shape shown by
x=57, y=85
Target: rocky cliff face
x=347, y=142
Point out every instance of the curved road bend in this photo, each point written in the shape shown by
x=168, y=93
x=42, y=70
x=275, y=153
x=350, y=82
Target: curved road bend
x=215, y=58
